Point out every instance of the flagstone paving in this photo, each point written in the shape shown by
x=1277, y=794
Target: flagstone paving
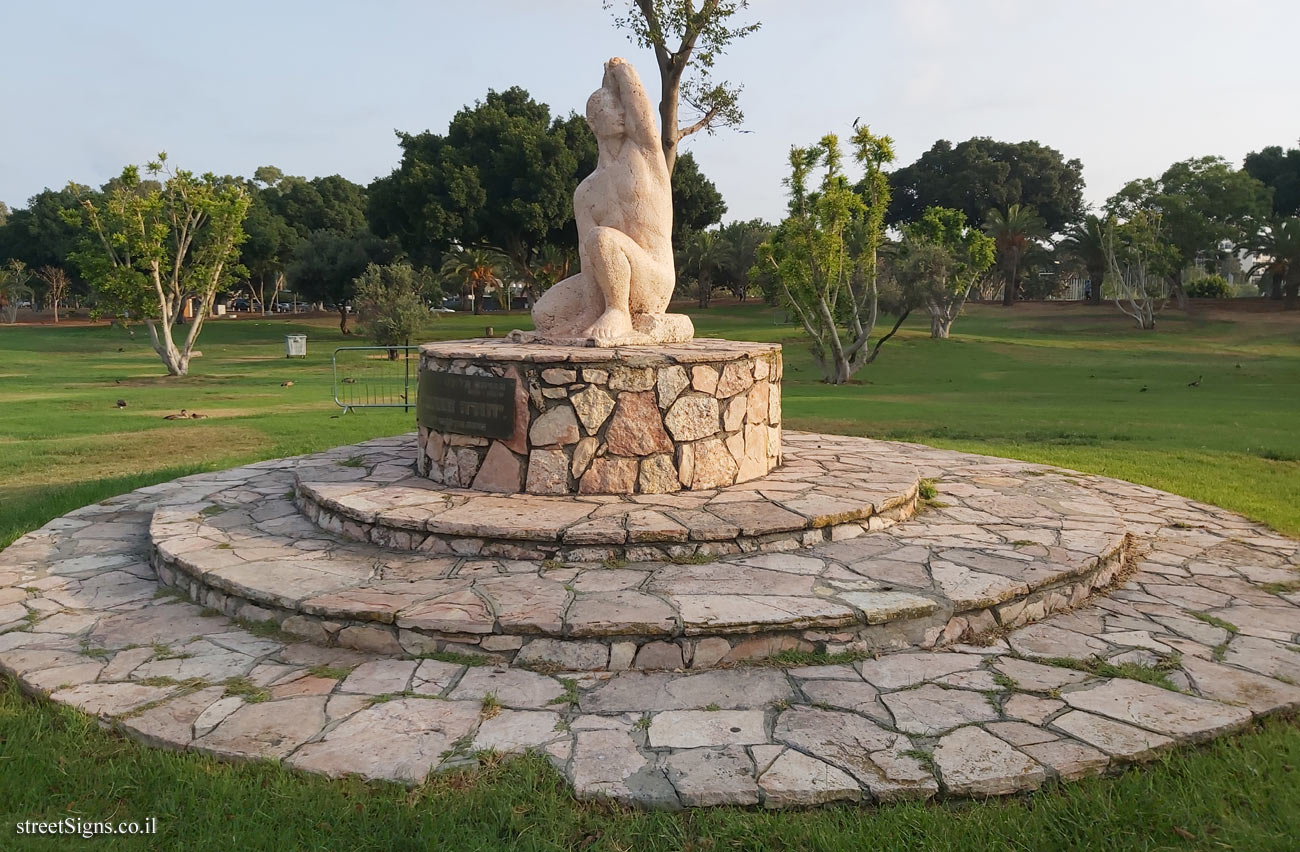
x=1205, y=599
x=1004, y=553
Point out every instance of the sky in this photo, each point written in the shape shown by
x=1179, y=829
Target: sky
x=318, y=88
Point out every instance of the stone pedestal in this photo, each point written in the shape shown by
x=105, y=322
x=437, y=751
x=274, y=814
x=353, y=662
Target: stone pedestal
x=580, y=420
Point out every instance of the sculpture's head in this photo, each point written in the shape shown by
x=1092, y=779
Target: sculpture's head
x=605, y=112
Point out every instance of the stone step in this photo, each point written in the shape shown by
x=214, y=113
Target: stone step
x=828, y=488
x=234, y=542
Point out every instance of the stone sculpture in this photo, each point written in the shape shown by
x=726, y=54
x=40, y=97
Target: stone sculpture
x=625, y=221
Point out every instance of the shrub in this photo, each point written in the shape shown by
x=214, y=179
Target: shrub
x=1209, y=287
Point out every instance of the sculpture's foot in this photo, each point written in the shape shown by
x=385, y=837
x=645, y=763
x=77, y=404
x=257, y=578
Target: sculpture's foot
x=612, y=326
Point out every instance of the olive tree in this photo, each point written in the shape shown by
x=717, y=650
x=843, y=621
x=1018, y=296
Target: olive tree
x=823, y=255
x=391, y=302
x=160, y=244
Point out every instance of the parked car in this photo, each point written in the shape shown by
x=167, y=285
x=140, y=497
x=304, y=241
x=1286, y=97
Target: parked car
x=441, y=309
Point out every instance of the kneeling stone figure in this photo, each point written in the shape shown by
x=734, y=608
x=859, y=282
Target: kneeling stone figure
x=625, y=222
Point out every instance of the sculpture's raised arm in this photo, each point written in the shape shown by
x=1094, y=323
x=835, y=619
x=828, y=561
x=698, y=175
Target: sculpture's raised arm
x=638, y=113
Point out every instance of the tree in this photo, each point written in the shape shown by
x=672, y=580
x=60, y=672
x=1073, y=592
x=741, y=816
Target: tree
x=981, y=174
x=683, y=36
x=1015, y=232
x=738, y=249
x=391, y=302
x=940, y=258
x=699, y=258
x=1280, y=170
x=56, y=286
x=1277, y=244
x=13, y=289
x=325, y=266
x=503, y=175
x=1205, y=207
x=551, y=264
x=1082, y=248
x=269, y=246
x=471, y=271
x=697, y=204
x=46, y=233
x=330, y=203
x=1138, y=258
x=4, y=214
x=156, y=249
x=823, y=255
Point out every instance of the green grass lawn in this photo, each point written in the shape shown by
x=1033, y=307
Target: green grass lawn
x=1060, y=384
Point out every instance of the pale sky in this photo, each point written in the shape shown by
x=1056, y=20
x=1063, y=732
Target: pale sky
x=317, y=88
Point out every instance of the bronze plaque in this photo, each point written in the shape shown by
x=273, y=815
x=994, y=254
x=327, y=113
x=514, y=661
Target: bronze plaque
x=466, y=405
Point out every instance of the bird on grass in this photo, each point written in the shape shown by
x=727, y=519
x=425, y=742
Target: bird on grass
x=121, y=403
x=1197, y=383
x=286, y=384
x=184, y=415
x=194, y=415
x=349, y=381
x=1143, y=389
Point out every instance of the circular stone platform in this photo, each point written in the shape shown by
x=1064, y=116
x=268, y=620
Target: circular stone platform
x=827, y=489
x=1206, y=603
x=828, y=588
x=505, y=417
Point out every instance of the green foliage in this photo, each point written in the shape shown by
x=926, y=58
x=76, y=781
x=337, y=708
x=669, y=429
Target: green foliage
x=824, y=254
x=1279, y=170
x=937, y=262
x=503, y=175
x=737, y=253
x=391, y=300
x=687, y=40
x=1276, y=241
x=697, y=204
x=326, y=265
x=152, y=247
x=1140, y=261
x=1209, y=287
x=983, y=174
x=470, y=271
x=1203, y=204
x=1016, y=231
x=13, y=288
x=1081, y=249
x=330, y=203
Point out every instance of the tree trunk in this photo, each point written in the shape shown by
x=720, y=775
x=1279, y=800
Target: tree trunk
x=705, y=284
x=1096, y=276
x=1275, y=290
x=1291, y=291
x=668, y=91
x=343, y=319
x=940, y=325
x=1180, y=295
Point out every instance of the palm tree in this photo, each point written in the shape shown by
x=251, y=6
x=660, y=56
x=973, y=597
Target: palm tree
x=1277, y=243
x=1013, y=232
x=471, y=270
x=700, y=256
x=1082, y=246
x=737, y=250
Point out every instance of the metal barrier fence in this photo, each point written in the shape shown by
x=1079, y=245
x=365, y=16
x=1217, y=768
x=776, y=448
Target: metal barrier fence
x=375, y=376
